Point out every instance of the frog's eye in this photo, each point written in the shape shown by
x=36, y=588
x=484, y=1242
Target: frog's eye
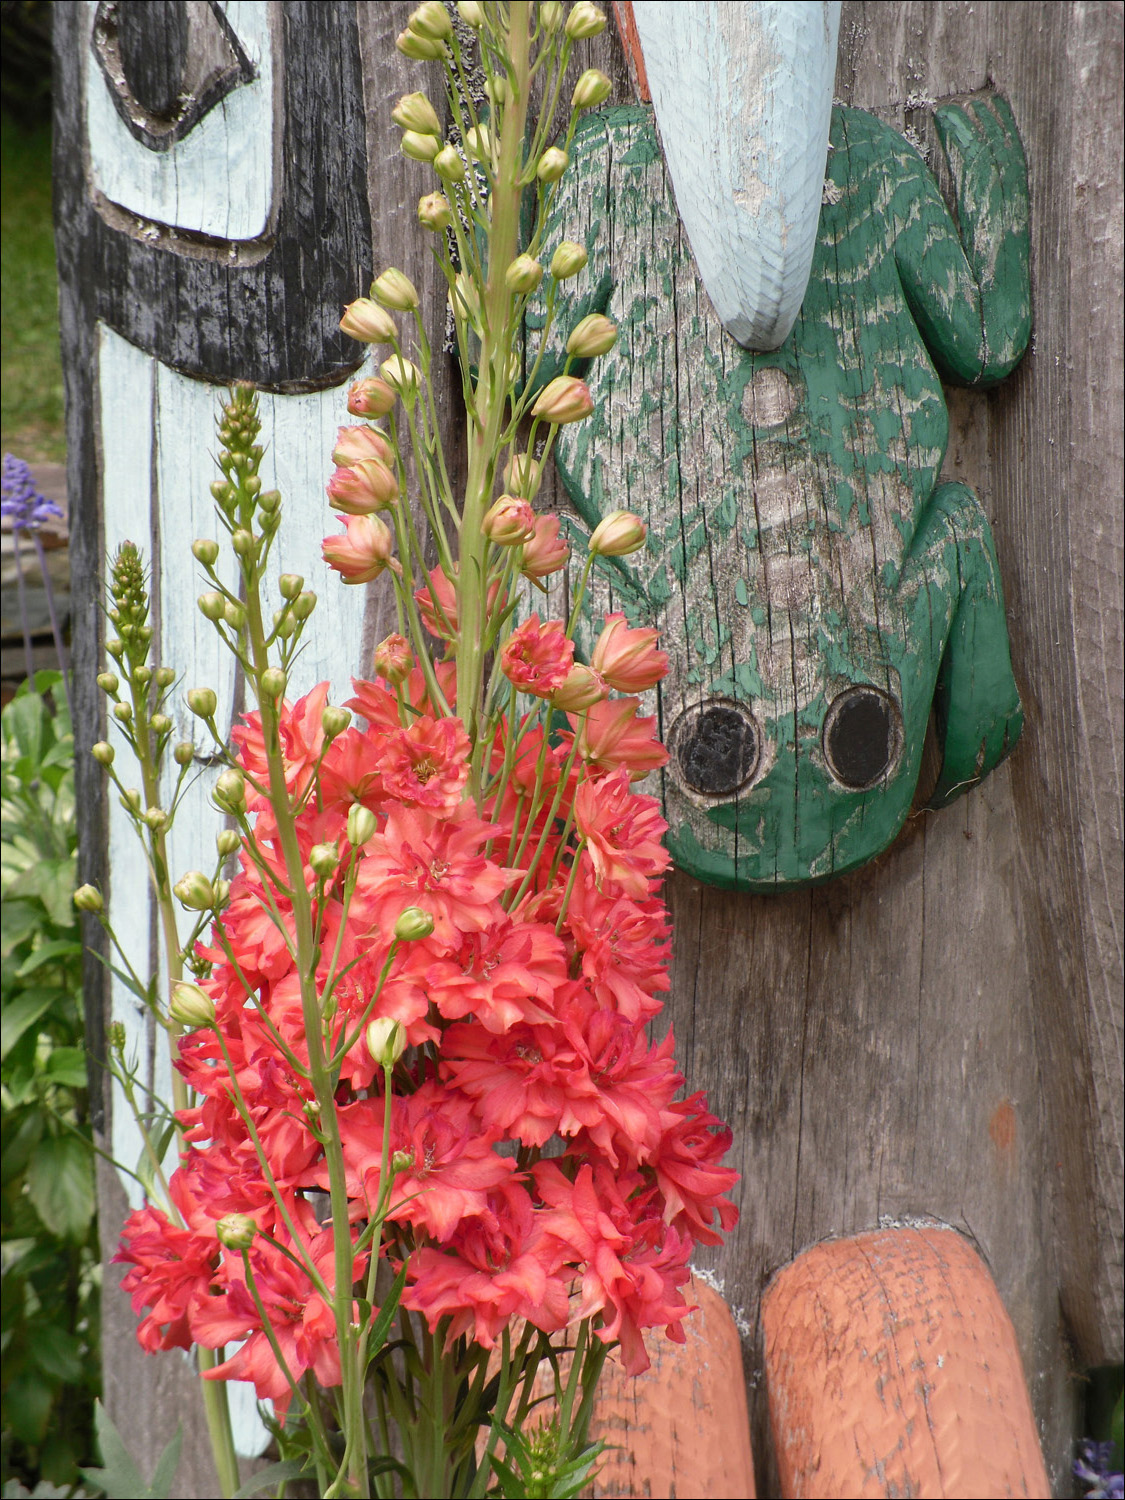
x=862, y=737
x=715, y=748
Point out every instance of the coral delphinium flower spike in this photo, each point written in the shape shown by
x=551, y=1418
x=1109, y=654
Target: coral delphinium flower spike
x=422, y=1092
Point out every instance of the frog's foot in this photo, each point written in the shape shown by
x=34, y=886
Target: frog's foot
x=976, y=701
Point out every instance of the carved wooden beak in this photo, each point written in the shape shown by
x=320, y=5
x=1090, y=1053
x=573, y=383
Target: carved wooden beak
x=743, y=99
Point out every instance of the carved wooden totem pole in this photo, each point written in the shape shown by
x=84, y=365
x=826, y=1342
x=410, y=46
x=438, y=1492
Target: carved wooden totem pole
x=824, y=262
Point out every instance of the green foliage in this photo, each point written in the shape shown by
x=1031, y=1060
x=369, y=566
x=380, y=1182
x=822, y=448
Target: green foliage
x=48, y=1237
x=119, y=1478
x=537, y=1464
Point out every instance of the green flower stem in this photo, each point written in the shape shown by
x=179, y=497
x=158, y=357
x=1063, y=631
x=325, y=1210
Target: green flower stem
x=217, y=1410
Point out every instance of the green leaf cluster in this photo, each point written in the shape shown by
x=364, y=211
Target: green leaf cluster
x=49, y=1292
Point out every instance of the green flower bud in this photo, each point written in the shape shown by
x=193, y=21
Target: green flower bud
x=594, y=335
x=252, y=484
x=115, y=1036
x=236, y=1231
x=88, y=898
x=243, y=542
x=323, y=859
x=400, y=375
x=434, y=212
x=160, y=723
x=223, y=494
x=123, y=712
x=165, y=676
x=212, y=605
x=156, y=819
x=115, y=648
x=386, y=1041
x=415, y=112
x=431, y=20
x=290, y=585
x=478, y=142
x=141, y=675
x=471, y=13
x=592, y=89
x=550, y=15
x=413, y=923
x=334, y=720
x=195, y=891
x=419, y=48
x=202, y=702
x=304, y=604
x=419, y=147
x=222, y=894
x=394, y=290
x=131, y=800
x=229, y=793
x=235, y=614
x=273, y=682
x=366, y=321
x=523, y=275
x=361, y=825
x=184, y=753
x=269, y=500
x=284, y=624
x=617, y=534
x=401, y=1161
x=585, y=19
x=449, y=167
x=552, y=164
x=227, y=842
x=103, y=753
x=108, y=682
x=568, y=260
x=190, y=1007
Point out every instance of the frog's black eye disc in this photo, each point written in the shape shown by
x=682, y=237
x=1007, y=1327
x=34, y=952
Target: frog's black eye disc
x=715, y=748
x=862, y=737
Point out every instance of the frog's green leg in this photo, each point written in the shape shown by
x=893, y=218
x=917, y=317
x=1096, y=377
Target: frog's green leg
x=976, y=701
x=969, y=292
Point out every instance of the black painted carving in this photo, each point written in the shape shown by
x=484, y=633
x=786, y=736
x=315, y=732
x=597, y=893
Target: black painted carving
x=862, y=737
x=267, y=310
x=715, y=749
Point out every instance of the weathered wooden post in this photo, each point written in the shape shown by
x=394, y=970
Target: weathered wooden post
x=935, y=1036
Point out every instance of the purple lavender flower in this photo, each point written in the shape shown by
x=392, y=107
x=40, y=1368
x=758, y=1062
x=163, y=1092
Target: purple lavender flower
x=22, y=503
x=1092, y=1467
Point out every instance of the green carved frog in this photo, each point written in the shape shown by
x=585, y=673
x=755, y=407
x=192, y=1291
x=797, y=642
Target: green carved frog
x=817, y=587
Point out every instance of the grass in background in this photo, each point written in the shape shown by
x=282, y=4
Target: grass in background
x=31, y=392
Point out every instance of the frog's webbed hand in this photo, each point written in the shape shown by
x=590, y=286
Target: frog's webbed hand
x=969, y=292
x=953, y=579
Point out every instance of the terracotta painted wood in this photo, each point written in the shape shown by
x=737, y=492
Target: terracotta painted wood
x=749, y=168
x=893, y=1369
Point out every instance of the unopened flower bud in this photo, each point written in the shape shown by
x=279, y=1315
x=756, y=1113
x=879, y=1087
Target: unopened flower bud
x=108, y=682
x=401, y=1161
x=497, y=91
x=371, y=397
x=415, y=112
x=582, y=688
x=471, y=13
x=184, y=753
x=212, y=605
x=334, y=720
x=228, y=841
x=394, y=659
x=450, y=168
x=594, y=335
x=361, y=824
x=223, y=493
x=419, y=48
x=367, y=321
x=236, y=1231
x=419, y=147
x=568, y=260
x=142, y=675
x=400, y=375
x=272, y=682
x=115, y=648
x=386, y=1041
x=123, y=713
x=190, y=1007
x=478, y=142
x=413, y=924
x=552, y=164
x=565, y=399
x=195, y=891
x=434, y=212
x=242, y=541
x=509, y=521
x=431, y=19
x=362, y=488
x=523, y=275
x=88, y=898
x=393, y=289
x=234, y=613
x=268, y=501
x=585, y=19
x=354, y=444
x=222, y=894
x=617, y=534
x=115, y=1036
x=522, y=474
x=160, y=723
x=323, y=859
x=229, y=792
x=131, y=800
x=289, y=585
x=203, y=702
x=156, y=819
x=550, y=15
x=103, y=753
x=592, y=89
x=165, y=676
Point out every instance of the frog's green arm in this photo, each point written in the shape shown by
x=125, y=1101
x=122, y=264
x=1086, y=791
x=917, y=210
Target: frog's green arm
x=969, y=293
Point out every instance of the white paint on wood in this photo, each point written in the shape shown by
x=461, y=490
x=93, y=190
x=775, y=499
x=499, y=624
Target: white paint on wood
x=743, y=99
x=217, y=180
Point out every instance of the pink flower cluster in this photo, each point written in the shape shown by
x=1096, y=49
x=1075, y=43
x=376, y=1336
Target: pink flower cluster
x=544, y=1168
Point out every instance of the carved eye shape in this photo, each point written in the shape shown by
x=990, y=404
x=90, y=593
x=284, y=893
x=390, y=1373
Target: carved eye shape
x=862, y=737
x=715, y=748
